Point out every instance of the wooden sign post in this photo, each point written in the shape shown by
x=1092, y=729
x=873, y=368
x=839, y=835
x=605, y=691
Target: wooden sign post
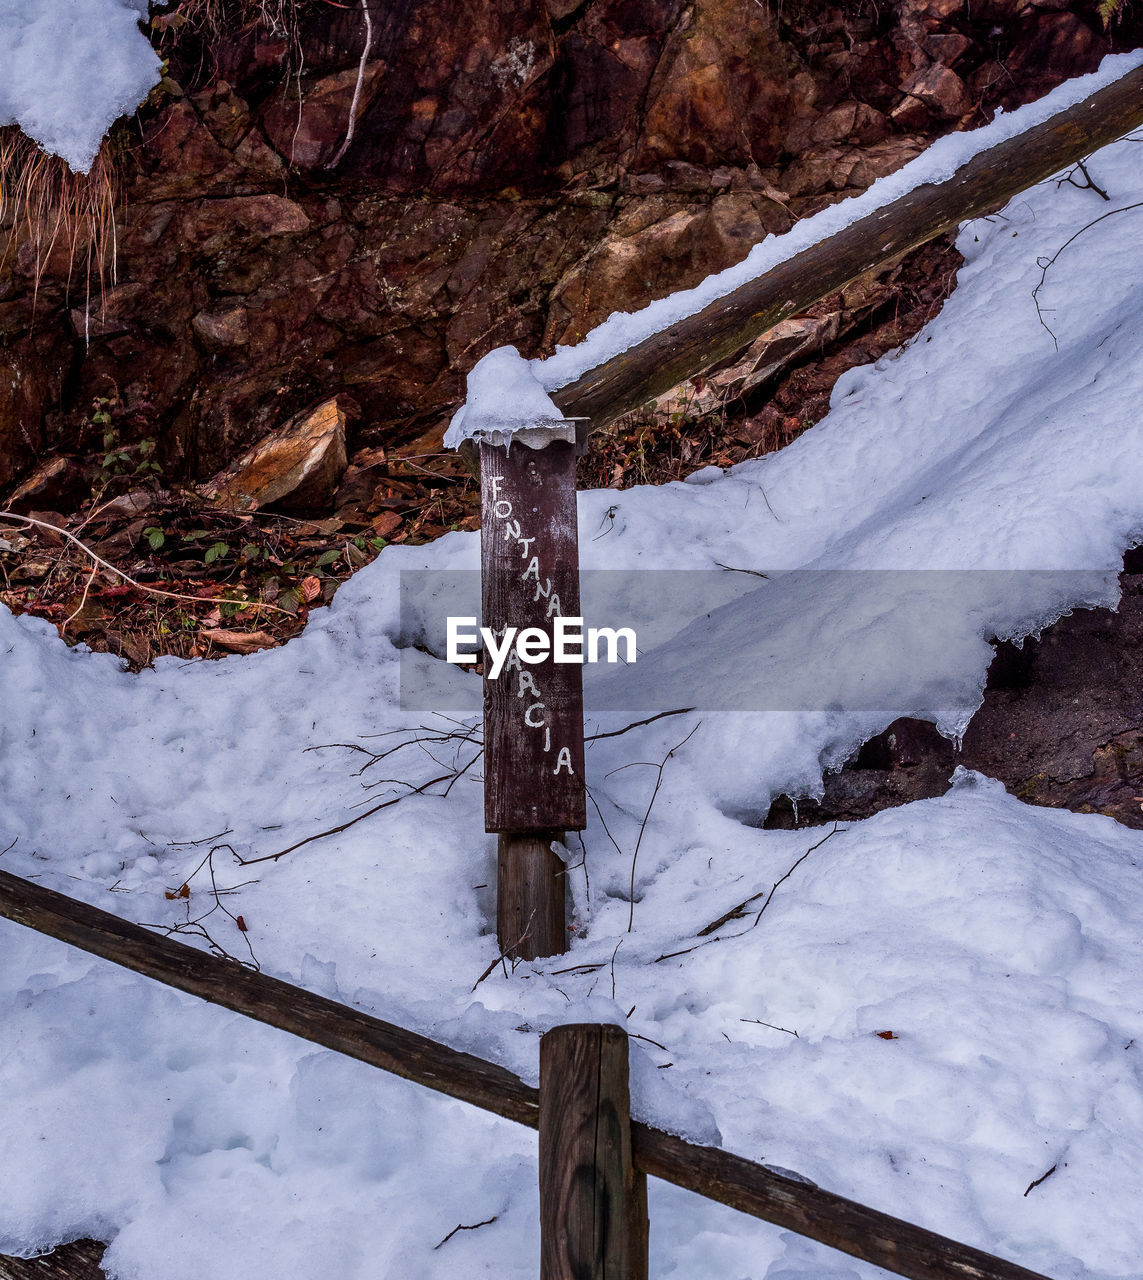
x=533, y=711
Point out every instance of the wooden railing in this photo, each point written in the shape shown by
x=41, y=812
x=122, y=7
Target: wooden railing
x=573, y=1062
x=727, y=326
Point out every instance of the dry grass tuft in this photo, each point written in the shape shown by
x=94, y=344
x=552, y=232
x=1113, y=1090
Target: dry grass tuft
x=210, y=19
x=53, y=220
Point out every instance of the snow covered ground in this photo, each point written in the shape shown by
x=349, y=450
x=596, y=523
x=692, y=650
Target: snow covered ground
x=1001, y=945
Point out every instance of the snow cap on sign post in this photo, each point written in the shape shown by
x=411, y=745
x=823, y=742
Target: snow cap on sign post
x=507, y=402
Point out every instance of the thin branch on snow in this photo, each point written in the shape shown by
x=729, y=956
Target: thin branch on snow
x=760, y=1023
x=1042, y=1178
x=637, y=724
x=195, y=926
x=737, y=912
x=450, y=779
x=463, y=1226
x=643, y=825
x=1088, y=184
x=506, y=954
x=782, y=879
x=1045, y=264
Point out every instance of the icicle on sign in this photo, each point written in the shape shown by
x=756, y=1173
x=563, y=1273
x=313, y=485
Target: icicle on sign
x=533, y=713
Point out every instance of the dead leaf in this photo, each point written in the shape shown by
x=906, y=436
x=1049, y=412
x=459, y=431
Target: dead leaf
x=385, y=523
x=172, y=895
x=887, y=1035
x=310, y=588
x=239, y=641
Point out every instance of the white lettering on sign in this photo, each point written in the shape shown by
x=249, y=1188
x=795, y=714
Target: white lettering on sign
x=561, y=639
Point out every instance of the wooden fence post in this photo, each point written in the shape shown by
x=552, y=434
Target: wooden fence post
x=593, y=1202
x=533, y=713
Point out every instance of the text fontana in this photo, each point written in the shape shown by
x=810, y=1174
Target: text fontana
x=567, y=643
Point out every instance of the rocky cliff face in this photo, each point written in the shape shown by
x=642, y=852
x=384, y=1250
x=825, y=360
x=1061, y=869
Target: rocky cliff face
x=515, y=173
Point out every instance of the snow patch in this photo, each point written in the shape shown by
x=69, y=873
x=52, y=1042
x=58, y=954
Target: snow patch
x=71, y=69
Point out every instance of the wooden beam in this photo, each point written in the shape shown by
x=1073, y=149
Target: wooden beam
x=78, y=1260
x=820, y=1215
x=728, y=325
x=531, y=885
x=719, y=1175
x=593, y=1201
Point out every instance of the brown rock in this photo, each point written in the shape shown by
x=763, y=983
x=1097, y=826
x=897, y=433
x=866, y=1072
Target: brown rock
x=947, y=48
x=1056, y=44
x=942, y=10
x=21, y=411
x=216, y=225
x=940, y=89
x=298, y=466
x=218, y=330
x=628, y=270
x=56, y=482
x=311, y=136
x=117, y=311
x=724, y=87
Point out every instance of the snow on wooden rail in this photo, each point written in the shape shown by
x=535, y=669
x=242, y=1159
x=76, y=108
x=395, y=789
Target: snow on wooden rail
x=718, y=1175
x=722, y=329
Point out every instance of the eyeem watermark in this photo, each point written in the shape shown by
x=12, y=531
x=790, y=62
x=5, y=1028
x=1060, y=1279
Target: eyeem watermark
x=568, y=642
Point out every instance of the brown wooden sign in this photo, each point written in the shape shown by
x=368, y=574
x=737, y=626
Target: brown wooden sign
x=533, y=711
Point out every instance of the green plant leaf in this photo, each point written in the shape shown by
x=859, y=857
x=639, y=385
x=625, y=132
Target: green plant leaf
x=216, y=551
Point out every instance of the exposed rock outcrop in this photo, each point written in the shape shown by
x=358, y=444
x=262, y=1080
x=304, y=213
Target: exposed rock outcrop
x=516, y=172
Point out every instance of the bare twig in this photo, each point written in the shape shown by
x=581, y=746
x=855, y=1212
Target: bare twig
x=754, y=573
x=643, y=825
x=82, y=600
x=638, y=724
x=760, y=1023
x=356, y=89
x=183, y=844
x=782, y=879
x=1088, y=183
x=1042, y=1178
x=196, y=927
x=1045, y=264
x=506, y=954
x=462, y=1226
x=104, y=564
x=737, y=912
x=451, y=778
x=10, y=847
